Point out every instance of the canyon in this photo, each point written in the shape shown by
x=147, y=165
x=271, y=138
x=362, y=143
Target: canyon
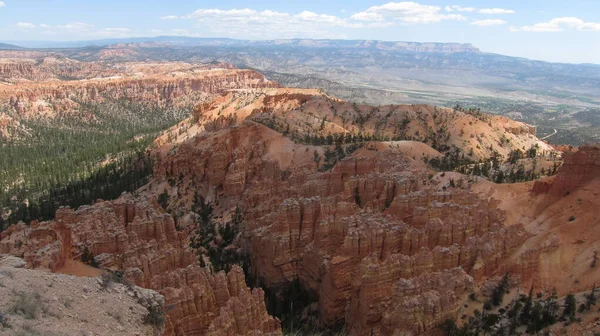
x=375, y=212
x=339, y=197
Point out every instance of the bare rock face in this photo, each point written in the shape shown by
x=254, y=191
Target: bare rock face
x=383, y=249
x=15, y=69
x=140, y=239
x=579, y=168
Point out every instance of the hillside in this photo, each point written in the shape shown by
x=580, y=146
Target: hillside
x=552, y=96
x=34, y=302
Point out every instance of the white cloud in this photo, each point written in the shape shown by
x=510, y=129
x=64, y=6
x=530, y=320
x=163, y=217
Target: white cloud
x=77, y=26
x=43, y=25
x=251, y=23
x=169, y=17
x=116, y=30
x=323, y=18
x=1, y=4
x=406, y=12
x=25, y=25
x=155, y=31
x=488, y=22
x=496, y=11
x=560, y=24
x=459, y=9
x=367, y=16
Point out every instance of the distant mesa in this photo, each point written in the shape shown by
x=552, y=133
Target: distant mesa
x=6, y=46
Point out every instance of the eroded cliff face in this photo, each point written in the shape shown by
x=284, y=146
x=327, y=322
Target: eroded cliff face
x=33, y=100
x=354, y=234
x=562, y=213
x=136, y=236
x=381, y=245
x=42, y=87
x=384, y=247
x=578, y=169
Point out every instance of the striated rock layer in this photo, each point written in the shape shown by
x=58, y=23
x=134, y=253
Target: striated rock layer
x=139, y=238
x=29, y=100
x=385, y=250
x=579, y=168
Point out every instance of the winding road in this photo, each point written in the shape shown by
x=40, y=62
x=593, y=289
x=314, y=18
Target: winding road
x=547, y=136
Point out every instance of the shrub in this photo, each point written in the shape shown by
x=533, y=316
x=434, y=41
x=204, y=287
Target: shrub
x=487, y=305
x=4, y=321
x=570, y=307
x=87, y=257
x=163, y=199
x=108, y=278
x=27, y=304
x=155, y=317
x=500, y=290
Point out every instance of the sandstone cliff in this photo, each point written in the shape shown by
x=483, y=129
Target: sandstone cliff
x=560, y=213
x=372, y=237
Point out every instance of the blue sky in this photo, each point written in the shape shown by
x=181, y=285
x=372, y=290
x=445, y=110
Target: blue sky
x=552, y=30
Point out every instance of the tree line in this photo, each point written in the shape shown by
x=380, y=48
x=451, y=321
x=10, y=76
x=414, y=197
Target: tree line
x=95, y=151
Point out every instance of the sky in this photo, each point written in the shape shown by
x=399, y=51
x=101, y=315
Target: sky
x=550, y=30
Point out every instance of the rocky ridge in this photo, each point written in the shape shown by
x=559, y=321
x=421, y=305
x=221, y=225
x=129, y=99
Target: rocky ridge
x=36, y=100
x=372, y=222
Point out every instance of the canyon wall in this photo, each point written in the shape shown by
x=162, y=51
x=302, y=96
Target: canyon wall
x=579, y=168
x=372, y=237
x=31, y=99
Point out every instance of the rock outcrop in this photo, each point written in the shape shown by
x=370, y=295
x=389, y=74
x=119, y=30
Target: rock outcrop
x=364, y=235
x=140, y=239
x=579, y=168
x=29, y=100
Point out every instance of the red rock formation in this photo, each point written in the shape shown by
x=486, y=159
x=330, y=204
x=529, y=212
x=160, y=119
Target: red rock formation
x=139, y=238
x=383, y=248
x=578, y=168
x=61, y=97
x=352, y=235
x=16, y=69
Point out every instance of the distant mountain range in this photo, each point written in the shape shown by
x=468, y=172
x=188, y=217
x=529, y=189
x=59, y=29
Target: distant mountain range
x=6, y=46
x=226, y=42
